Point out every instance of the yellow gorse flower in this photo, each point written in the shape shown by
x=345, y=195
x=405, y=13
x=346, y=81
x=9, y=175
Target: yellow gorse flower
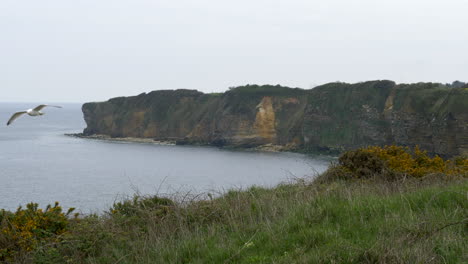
x=26, y=228
x=417, y=162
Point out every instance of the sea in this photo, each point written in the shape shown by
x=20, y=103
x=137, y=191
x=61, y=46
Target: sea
x=40, y=164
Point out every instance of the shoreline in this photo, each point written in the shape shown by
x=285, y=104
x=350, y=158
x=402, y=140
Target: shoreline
x=123, y=139
x=262, y=148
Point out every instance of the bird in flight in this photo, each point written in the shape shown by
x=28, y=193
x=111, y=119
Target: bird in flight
x=32, y=112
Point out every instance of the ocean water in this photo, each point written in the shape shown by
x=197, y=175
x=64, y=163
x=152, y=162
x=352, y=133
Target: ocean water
x=39, y=163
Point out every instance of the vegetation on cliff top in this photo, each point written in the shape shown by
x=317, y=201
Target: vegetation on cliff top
x=365, y=215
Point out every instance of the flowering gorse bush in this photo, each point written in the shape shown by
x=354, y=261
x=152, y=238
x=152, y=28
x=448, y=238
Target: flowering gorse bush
x=393, y=161
x=26, y=228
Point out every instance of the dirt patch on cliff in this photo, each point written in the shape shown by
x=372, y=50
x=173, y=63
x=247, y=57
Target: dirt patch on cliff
x=265, y=119
x=389, y=104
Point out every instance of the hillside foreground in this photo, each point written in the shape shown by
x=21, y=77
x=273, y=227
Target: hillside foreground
x=375, y=205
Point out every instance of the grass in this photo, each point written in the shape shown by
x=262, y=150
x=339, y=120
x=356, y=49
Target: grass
x=329, y=220
x=340, y=222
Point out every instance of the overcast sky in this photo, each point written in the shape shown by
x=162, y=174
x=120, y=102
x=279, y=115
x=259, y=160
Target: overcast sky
x=91, y=50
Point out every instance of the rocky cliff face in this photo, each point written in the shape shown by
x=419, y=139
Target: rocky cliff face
x=332, y=117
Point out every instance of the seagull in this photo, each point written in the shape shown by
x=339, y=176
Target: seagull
x=32, y=112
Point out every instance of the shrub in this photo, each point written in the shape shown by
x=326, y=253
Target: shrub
x=416, y=162
x=392, y=162
x=140, y=204
x=363, y=164
x=25, y=229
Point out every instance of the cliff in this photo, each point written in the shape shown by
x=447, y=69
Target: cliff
x=332, y=117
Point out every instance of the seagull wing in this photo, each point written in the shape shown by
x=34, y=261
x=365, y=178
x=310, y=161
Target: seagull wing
x=14, y=116
x=39, y=107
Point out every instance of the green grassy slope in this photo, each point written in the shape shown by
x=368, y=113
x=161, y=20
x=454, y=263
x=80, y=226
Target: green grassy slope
x=338, y=222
